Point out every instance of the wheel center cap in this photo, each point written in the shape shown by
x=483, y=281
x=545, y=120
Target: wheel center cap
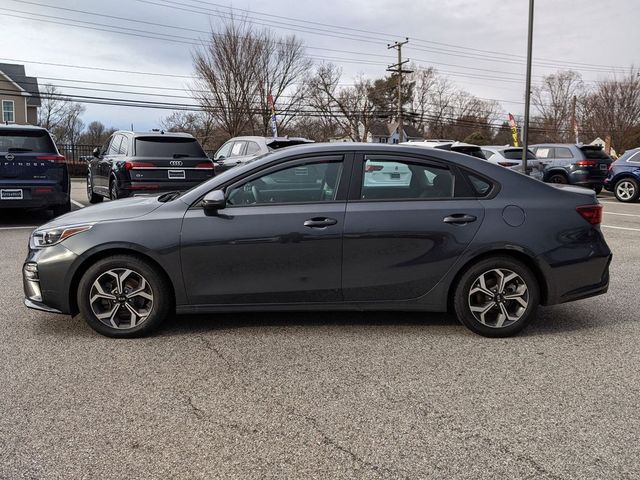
x=121, y=298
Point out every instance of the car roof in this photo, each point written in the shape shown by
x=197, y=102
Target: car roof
x=160, y=133
x=559, y=145
x=257, y=138
x=14, y=126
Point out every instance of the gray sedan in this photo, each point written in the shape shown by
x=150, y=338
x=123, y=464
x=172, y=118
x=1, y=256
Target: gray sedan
x=306, y=229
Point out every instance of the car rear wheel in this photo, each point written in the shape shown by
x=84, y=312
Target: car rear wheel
x=627, y=190
x=496, y=297
x=597, y=189
x=124, y=296
x=91, y=195
x=558, y=178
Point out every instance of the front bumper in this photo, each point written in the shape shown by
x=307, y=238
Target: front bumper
x=46, y=277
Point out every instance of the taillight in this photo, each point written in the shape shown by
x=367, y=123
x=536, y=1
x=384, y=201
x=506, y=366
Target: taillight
x=591, y=213
x=51, y=158
x=372, y=168
x=131, y=165
x=207, y=165
x=507, y=164
x=586, y=163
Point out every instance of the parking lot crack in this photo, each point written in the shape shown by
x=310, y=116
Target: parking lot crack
x=209, y=345
x=327, y=440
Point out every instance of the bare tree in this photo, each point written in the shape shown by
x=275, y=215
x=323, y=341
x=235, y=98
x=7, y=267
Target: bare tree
x=60, y=115
x=95, y=134
x=238, y=68
x=349, y=107
x=424, y=80
x=612, y=108
x=201, y=125
x=552, y=100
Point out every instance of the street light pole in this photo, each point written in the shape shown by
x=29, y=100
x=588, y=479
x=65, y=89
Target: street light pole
x=527, y=95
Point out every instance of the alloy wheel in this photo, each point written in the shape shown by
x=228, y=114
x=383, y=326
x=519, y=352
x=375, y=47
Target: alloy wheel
x=498, y=298
x=625, y=190
x=121, y=298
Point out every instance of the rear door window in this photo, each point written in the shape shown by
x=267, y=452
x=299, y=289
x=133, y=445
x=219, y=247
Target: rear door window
x=168, y=147
x=563, y=152
x=396, y=179
x=544, y=152
x=124, y=146
x=16, y=141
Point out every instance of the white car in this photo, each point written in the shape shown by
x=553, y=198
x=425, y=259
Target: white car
x=452, y=145
x=511, y=157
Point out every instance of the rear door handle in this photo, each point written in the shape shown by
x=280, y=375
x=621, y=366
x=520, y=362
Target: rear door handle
x=459, y=218
x=320, y=222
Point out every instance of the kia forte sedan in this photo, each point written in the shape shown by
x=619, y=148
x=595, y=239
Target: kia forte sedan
x=307, y=229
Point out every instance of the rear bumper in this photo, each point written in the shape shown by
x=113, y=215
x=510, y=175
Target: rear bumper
x=585, y=178
x=35, y=196
x=578, y=280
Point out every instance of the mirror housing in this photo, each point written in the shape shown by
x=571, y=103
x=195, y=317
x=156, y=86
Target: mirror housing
x=214, y=201
x=96, y=152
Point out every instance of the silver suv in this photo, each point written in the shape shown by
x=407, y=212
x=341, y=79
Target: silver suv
x=240, y=150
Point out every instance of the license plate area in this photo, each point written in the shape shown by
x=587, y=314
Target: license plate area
x=176, y=174
x=604, y=167
x=11, y=194
x=395, y=175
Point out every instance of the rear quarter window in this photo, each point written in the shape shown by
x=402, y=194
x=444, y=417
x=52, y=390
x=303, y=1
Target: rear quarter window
x=26, y=141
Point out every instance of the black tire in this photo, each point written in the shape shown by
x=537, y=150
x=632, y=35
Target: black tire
x=597, y=189
x=156, y=285
x=627, y=190
x=91, y=195
x=558, y=178
x=114, y=190
x=62, y=209
x=462, y=297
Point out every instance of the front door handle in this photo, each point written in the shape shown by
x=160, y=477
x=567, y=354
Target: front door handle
x=459, y=218
x=320, y=222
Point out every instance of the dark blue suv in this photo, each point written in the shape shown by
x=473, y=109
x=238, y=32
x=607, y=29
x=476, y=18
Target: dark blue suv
x=624, y=177
x=33, y=174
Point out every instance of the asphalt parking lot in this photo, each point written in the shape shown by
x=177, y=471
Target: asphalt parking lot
x=324, y=395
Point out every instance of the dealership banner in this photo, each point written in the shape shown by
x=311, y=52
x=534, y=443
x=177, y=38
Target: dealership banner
x=274, y=125
x=514, y=130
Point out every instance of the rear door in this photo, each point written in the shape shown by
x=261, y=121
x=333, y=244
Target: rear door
x=400, y=240
x=29, y=164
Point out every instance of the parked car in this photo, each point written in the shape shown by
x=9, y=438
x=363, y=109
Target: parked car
x=511, y=157
x=241, y=150
x=566, y=163
x=133, y=163
x=300, y=229
x=33, y=174
x=624, y=176
x=452, y=145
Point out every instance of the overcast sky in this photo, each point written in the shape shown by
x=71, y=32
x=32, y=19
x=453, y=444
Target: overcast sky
x=479, y=45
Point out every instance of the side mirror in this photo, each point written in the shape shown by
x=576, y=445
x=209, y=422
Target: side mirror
x=219, y=158
x=214, y=201
x=96, y=152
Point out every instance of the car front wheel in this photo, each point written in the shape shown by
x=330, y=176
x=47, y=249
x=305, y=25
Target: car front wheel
x=91, y=195
x=496, y=297
x=627, y=190
x=124, y=296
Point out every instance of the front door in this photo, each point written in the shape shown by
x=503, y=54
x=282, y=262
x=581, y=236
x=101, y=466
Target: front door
x=279, y=240
x=407, y=222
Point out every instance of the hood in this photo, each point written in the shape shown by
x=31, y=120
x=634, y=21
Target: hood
x=115, y=210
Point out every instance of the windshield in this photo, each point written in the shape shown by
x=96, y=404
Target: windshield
x=171, y=147
x=26, y=141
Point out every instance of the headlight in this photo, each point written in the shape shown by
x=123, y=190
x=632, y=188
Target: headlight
x=51, y=236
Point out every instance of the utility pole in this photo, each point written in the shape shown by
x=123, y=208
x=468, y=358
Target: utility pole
x=574, y=119
x=527, y=94
x=397, y=68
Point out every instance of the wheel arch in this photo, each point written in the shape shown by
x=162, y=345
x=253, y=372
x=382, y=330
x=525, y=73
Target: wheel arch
x=514, y=253
x=99, y=255
x=555, y=170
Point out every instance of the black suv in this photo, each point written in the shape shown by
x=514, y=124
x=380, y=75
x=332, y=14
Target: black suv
x=146, y=163
x=33, y=174
x=584, y=165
